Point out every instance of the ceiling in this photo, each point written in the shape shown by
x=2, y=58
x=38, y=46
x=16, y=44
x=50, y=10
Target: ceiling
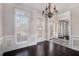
x=61, y=7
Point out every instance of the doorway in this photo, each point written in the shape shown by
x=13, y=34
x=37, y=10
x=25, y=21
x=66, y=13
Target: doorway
x=63, y=29
x=51, y=29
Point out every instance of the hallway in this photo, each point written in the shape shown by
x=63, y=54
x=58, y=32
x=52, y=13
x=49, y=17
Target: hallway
x=45, y=48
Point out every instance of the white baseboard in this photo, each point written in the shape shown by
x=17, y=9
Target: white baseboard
x=74, y=42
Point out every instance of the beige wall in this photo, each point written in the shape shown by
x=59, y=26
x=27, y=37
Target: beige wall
x=0, y=20
x=74, y=27
x=8, y=22
x=0, y=29
x=75, y=20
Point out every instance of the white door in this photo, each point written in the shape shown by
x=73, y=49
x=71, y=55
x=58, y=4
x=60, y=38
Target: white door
x=51, y=29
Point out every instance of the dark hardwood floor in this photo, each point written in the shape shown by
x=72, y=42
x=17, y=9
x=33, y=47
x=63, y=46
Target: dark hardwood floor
x=43, y=49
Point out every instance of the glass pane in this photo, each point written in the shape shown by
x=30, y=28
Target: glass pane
x=22, y=25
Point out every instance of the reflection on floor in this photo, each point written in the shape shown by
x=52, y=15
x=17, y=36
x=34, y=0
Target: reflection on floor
x=62, y=42
x=46, y=48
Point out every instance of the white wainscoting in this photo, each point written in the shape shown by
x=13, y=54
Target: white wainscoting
x=75, y=42
x=1, y=51
x=72, y=43
x=9, y=43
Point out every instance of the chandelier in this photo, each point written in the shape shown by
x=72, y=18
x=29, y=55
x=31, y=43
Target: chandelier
x=49, y=11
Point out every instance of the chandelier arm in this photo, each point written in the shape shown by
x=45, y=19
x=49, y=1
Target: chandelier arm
x=48, y=10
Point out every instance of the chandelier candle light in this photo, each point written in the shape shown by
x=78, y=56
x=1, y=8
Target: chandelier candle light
x=49, y=12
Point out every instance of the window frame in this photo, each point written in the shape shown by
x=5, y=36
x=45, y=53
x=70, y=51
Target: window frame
x=28, y=15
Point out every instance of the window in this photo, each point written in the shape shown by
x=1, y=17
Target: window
x=22, y=21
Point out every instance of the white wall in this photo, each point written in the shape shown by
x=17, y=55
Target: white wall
x=7, y=15
x=0, y=29
x=73, y=16
x=57, y=18
x=0, y=20
x=75, y=27
x=8, y=27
